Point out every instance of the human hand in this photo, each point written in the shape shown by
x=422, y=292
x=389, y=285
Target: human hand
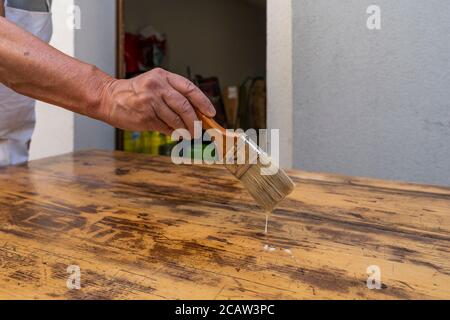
x=154, y=101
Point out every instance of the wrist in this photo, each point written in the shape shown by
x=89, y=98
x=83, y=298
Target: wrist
x=99, y=91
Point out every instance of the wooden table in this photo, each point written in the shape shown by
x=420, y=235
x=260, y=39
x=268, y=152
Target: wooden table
x=141, y=227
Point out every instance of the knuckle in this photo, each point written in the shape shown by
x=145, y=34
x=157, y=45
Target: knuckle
x=190, y=87
x=185, y=106
x=153, y=78
x=159, y=72
x=169, y=94
x=151, y=82
x=178, y=122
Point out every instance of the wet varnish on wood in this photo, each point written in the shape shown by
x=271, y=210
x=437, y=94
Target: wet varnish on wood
x=141, y=227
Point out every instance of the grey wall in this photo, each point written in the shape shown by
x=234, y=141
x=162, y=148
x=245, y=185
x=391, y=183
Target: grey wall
x=373, y=103
x=95, y=43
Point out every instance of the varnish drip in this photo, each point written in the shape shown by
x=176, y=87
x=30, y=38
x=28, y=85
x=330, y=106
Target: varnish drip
x=270, y=248
x=273, y=249
x=267, y=223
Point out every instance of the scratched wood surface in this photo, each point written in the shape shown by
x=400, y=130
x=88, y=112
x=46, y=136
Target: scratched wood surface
x=141, y=228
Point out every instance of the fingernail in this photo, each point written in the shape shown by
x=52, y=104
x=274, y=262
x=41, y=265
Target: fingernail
x=212, y=111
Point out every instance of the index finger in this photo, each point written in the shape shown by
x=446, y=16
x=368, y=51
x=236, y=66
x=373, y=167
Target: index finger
x=197, y=98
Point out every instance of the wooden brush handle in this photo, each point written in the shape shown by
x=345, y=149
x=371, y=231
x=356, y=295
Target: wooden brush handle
x=238, y=170
x=209, y=123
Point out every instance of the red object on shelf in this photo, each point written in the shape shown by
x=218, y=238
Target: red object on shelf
x=143, y=53
x=133, y=53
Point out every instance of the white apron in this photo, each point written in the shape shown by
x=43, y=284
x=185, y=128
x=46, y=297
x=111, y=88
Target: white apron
x=17, y=115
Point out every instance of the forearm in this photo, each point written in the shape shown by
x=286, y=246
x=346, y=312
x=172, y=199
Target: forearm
x=31, y=67
x=156, y=100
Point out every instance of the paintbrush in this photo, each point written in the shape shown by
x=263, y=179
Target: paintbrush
x=264, y=180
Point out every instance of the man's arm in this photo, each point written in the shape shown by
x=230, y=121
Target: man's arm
x=157, y=100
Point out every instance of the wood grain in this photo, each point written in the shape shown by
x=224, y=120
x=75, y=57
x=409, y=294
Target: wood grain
x=141, y=227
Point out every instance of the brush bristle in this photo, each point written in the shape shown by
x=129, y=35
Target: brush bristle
x=264, y=180
x=267, y=185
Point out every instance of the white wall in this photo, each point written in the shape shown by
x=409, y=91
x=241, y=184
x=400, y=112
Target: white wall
x=373, y=103
x=95, y=43
x=224, y=38
x=59, y=131
x=54, y=133
x=279, y=75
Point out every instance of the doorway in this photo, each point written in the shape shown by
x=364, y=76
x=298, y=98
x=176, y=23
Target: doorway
x=220, y=45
